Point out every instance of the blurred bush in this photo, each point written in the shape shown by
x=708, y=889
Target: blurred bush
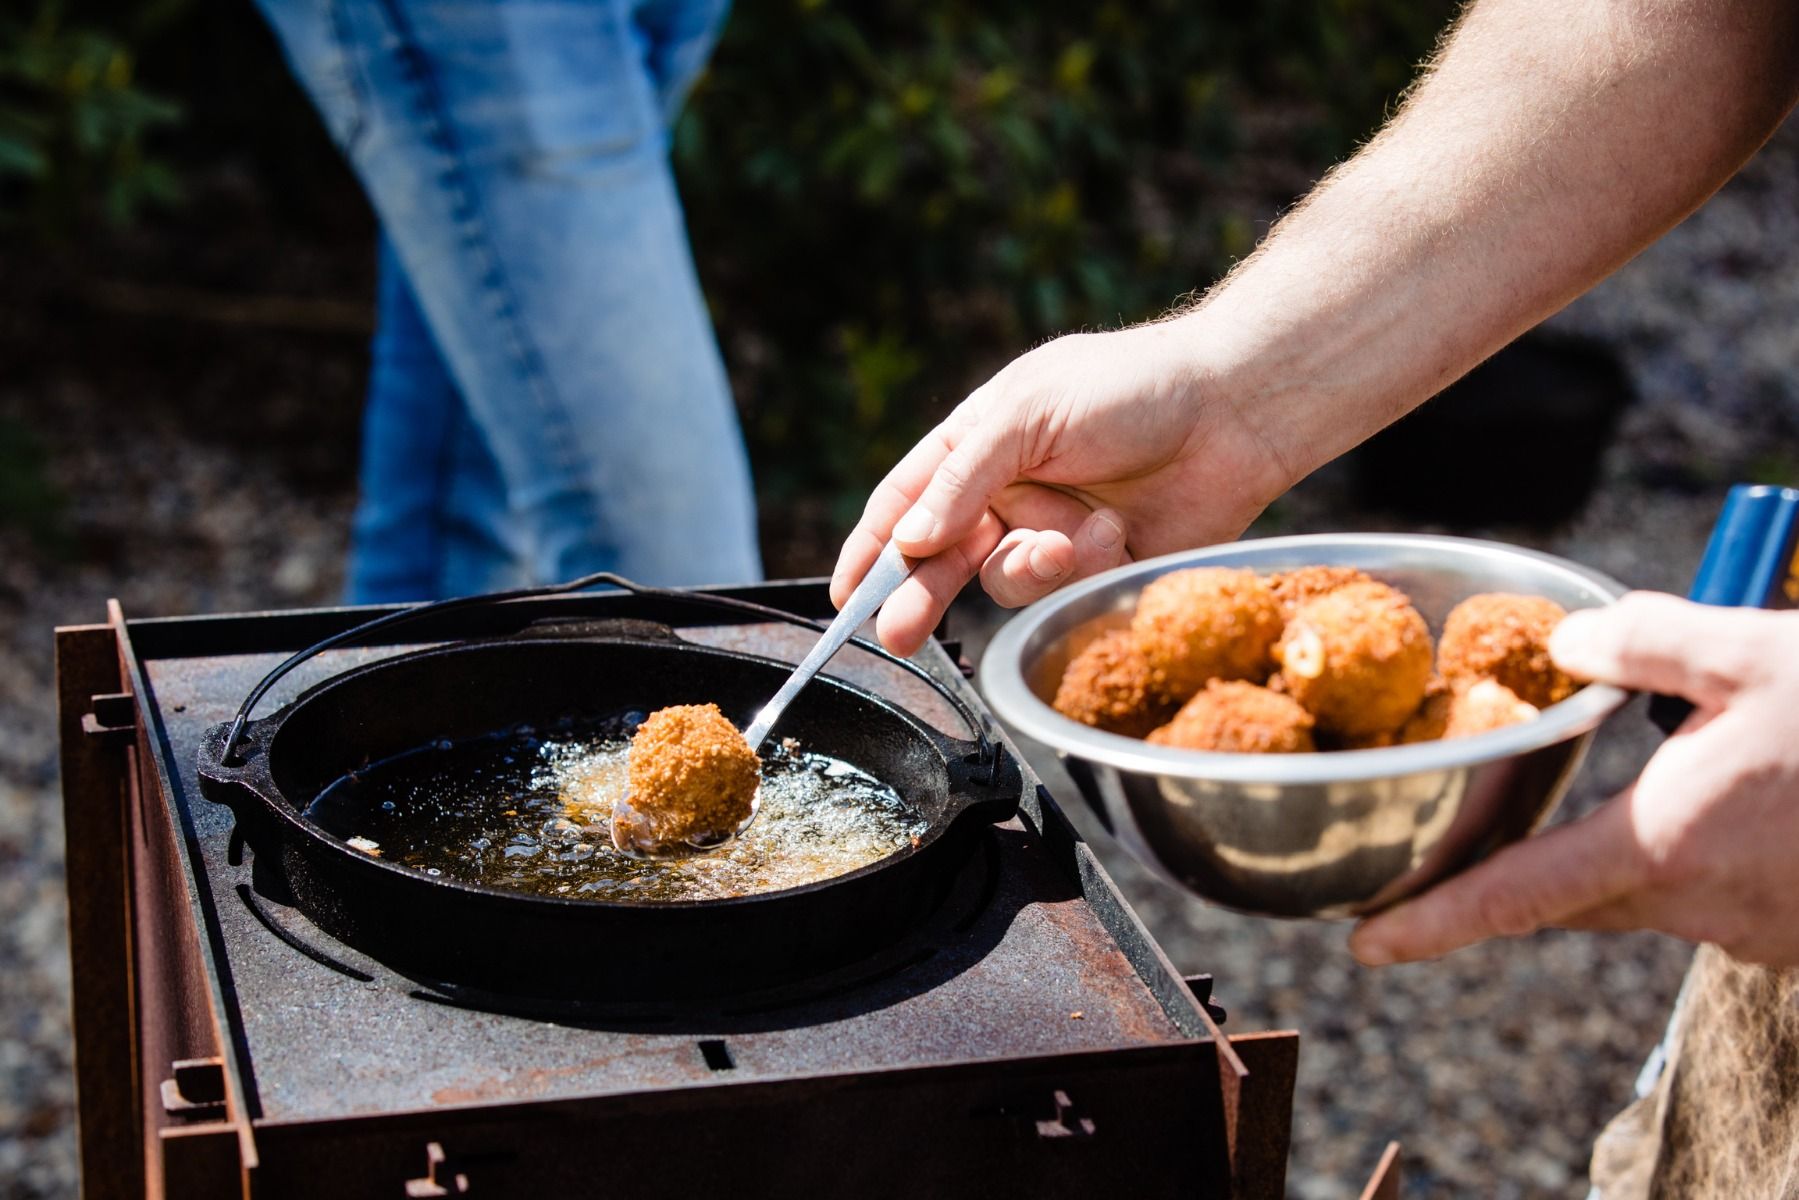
x=889, y=198
x=73, y=122
x=892, y=198
x=28, y=500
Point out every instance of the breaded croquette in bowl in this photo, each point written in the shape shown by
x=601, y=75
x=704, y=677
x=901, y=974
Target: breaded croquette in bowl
x=1465, y=708
x=1205, y=623
x=1298, y=587
x=1357, y=658
x=692, y=777
x=1107, y=686
x=1376, y=815
x=1243, y=657
x=1505, y=637
x=1238, y=717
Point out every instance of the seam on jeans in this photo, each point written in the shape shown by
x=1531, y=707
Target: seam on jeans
x=342, y=42
x=447, y=461
x=471, y=233
x=389, y=266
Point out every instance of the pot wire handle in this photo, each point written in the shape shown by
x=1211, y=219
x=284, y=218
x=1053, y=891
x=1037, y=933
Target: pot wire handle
x=988, y=751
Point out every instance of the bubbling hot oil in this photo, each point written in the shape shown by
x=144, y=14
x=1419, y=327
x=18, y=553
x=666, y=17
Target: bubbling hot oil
x=533, y=813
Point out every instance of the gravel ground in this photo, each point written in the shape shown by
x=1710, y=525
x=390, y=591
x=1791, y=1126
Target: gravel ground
x=226, y=488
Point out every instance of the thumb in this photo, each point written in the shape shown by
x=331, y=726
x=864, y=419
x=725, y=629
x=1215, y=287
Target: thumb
x=984, y=460
x=1660, y=643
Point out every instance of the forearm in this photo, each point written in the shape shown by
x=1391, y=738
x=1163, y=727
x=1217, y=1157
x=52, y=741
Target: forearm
x=1551, y=142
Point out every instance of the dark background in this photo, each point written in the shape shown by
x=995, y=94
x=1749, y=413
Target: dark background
x=887, y=200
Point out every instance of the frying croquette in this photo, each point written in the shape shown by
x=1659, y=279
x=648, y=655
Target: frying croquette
x=692, y=775
x=1296, y=588
x=1358, y=658
x=1205, y=623
x=1240, y=718
x=1465, y=709
x=1107, y=686
x=1506, y=638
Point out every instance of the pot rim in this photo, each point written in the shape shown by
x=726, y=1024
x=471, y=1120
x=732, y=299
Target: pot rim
x=1004, y=683
x=962, y=795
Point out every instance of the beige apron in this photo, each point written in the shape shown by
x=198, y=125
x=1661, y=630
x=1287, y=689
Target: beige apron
x=1723, y=1119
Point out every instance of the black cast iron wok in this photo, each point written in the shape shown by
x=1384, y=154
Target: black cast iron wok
x=442, y=930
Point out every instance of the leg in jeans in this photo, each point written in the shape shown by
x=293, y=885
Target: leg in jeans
x=431, y=521
x=677, y=37
x=516, y=154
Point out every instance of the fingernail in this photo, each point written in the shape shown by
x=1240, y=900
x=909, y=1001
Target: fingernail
x=1571, y=644
x=1371, y=954
x=1104, y=530
x=1043, y=566
x=915, y=526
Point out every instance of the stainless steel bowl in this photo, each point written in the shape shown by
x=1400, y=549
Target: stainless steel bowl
x=1309, y=835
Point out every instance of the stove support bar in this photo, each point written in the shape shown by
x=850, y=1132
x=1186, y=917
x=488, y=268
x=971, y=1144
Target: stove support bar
x=1256, y=1073
x=96, y=791
x=1385, y=1182
x=191, y=1134
x=146, y=1038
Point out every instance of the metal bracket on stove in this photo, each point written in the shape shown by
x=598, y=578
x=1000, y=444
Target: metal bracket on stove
x=1066, y=1123
x=1385, y=1182
x=1201, y=987
x=112, y=719
x=197, y=1089
x=449, y=1176
x=455, y=1182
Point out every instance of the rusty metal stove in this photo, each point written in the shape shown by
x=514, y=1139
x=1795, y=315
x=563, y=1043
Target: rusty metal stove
x=1028, y=1039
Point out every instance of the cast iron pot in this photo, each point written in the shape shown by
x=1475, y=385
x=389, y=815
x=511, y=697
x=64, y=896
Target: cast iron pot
x=440, y=930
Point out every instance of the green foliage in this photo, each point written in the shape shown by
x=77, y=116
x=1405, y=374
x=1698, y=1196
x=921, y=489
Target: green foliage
x=892, y=198
x=73, y=124
x=889, y=198
x=28, y=499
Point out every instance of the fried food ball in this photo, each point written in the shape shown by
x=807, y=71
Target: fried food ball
x=1465, y=709
x=1432, y=716
x=1505, y=637
x=1298, y=587
x=1365, y=741
x=691, y=776
x=1205, y=623
x=1358, y=658
x=1107, y=686
x=1239, y=718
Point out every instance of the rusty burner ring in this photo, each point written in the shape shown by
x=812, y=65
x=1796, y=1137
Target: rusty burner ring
x=442, y=931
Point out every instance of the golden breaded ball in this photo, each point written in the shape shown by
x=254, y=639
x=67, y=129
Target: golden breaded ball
x=1506, y=637
x=1366, y=741
x=1239, y=718
x=1298, y=587
x=1432, y=716
x=691, y=776
x=1465, y=709
x=1205, y=623
x=1107, y=686
x=1357, y=658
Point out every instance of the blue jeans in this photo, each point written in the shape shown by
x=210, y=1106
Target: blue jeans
x=547, y=397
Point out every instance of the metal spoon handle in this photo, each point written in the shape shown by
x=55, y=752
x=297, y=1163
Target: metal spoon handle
x=890, y=570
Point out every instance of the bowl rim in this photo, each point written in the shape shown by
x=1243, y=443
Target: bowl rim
x=1003, y=682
